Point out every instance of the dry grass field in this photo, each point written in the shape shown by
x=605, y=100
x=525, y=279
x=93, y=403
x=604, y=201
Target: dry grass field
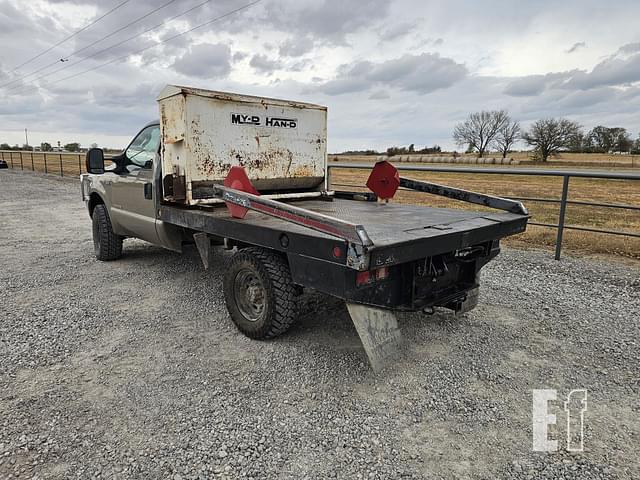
x=585, y=159
x=611, y=191
x=563, y=159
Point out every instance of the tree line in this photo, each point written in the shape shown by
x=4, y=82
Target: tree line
x=495, y=129
x=45, y=147
x=391, y=151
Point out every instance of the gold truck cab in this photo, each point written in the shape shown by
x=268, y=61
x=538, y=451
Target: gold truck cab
x=127, y=189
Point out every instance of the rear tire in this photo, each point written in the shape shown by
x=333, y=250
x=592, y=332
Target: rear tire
x=259, y=293
x=107, y=245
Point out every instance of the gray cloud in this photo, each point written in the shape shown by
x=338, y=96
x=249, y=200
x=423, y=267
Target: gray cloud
x=341, y=86
x=239, y=56
x=616, y=70
x=379, y=95
x=16, y=20
x=327, y=20
x=527, y=86
x=630, y=48
x=305, y=40
x=417, y=73
x=300, y=65
x=612, y=71
x=396, y=31
x=535, y=84
x=205, y=61
x=576, y=46
x=264, y=64
x=296, y=46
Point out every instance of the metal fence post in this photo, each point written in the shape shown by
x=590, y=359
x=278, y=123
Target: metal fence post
x=21, y=164
x=32, y=169
x=11, y=158
x=45, y=163
x=563, y=210
x=79, y=166
x=61, y=174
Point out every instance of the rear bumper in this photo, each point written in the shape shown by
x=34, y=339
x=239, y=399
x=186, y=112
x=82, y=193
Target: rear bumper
x=444, y=280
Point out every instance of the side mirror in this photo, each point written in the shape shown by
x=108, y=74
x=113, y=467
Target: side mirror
x=95, y=160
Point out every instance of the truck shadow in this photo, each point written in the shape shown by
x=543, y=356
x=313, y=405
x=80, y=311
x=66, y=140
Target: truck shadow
x=323, y=320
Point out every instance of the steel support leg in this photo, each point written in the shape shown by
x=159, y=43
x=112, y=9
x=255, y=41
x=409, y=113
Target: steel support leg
x=203, y=243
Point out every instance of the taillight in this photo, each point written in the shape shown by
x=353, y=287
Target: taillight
x=370, y=276
x=362, y=278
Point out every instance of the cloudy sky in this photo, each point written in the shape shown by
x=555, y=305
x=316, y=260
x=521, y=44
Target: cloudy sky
x=391, y=72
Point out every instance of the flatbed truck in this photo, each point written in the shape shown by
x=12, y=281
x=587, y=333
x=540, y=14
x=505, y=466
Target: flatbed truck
x=379, y=256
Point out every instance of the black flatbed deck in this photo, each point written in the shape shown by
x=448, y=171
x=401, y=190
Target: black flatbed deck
x=399, y=232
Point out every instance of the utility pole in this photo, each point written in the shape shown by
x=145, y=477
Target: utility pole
x=26, y=139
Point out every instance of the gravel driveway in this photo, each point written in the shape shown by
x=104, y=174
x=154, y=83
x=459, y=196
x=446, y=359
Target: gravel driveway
x=132, y=369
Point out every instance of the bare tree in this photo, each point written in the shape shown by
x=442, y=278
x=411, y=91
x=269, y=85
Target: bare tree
x=480, y=129
x=506, y=137
x=550, y=135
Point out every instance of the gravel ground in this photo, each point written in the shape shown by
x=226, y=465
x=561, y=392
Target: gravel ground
x=132, y=369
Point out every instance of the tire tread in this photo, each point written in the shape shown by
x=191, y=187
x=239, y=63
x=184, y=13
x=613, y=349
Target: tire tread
x=282, y=288
x=110, y=244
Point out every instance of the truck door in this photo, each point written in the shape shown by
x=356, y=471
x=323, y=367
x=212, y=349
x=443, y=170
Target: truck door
x=133, y=206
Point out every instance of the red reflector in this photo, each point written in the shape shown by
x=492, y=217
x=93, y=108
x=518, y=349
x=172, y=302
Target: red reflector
x=384, y=180
x=362, y=278
x=382, y=273
x=337, y=252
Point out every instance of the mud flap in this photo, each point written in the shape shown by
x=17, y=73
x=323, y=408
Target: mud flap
x=379, y=333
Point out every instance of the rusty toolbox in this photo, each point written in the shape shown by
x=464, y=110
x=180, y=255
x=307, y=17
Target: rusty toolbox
x=281, y=144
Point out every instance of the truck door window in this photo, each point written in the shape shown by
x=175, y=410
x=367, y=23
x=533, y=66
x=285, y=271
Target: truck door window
x=145, y=146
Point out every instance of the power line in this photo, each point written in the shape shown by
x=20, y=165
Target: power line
x=209, y=22
x=95, y=54
x=72, y=35
x=75, y=52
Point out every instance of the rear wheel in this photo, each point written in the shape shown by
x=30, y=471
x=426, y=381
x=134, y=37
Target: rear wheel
x=107, y=245
x=259, y=293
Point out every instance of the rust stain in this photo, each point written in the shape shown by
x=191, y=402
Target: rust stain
x=274, y=163
x=303, y=171
x=262, y=160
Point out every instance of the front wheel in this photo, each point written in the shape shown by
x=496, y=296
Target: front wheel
x=107, y=245
x=259, y=293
